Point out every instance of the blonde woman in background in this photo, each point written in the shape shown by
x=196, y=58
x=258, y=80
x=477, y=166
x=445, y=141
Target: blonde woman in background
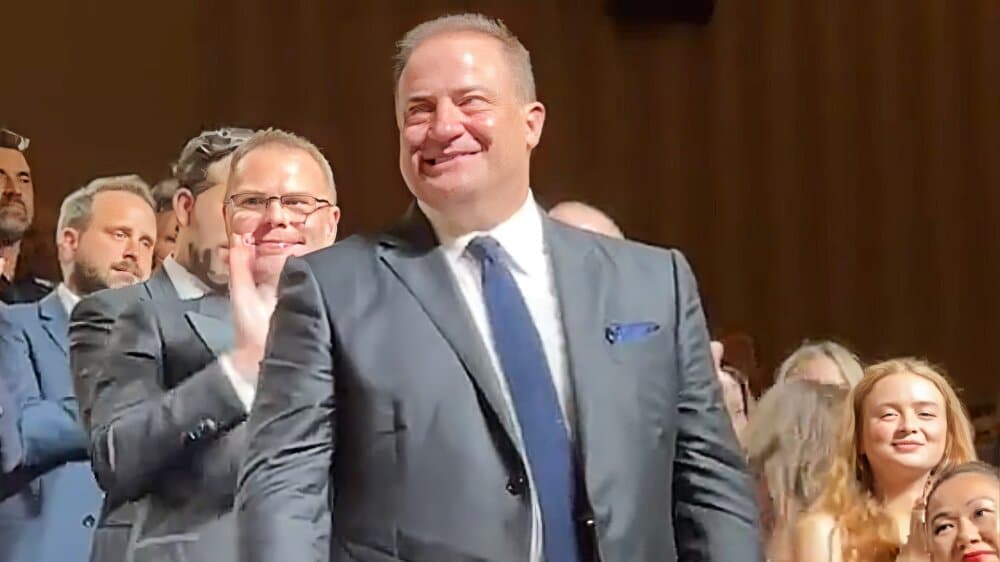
x=902, y=423
x=821, y=361
x=789, y=441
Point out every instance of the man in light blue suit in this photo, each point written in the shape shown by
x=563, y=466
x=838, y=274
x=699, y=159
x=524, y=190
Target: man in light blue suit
x=49, y=500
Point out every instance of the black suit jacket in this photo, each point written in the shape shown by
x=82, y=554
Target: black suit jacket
x=91, y=325
x=377, y=384
x=164, y=426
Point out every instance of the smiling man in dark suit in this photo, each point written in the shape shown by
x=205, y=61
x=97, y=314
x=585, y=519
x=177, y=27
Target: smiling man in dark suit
x=481, y=382
x=168, y=406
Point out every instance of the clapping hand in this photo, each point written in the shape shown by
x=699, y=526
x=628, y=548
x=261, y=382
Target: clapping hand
x=253, y=303
x=916, y=548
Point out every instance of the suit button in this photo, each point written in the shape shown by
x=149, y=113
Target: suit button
x=517, y=485
x=89, y=521
x=589, y=522
x=207, y=426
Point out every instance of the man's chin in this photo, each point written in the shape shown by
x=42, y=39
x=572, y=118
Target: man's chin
x=267, y=269
x=118, y=280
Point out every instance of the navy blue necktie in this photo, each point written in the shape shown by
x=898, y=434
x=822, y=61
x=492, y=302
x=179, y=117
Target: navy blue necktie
x=543, y=429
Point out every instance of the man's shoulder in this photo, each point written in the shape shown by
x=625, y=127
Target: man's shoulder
x=110, y=302
x=354, y=250
x=19, y=314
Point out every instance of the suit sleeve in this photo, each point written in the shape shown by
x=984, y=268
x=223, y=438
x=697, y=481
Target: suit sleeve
x=715, y=515
x=11, y=452
x=282, y=502
x=89, y=333
x=48, y=425
x=140, y=428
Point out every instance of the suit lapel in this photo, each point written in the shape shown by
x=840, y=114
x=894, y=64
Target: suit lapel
x=54, y=320
x=160, y=288
x=582, y=287
x=412, y=253
x=212, y=323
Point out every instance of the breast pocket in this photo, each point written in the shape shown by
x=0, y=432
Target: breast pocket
x=644, y=356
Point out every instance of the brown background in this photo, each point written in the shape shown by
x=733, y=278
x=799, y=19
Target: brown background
x=830, y=168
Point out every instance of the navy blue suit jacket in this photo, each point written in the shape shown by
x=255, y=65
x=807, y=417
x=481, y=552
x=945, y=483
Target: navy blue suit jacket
x=50, y=499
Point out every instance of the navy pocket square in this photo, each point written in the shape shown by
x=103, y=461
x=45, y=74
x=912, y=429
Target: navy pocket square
x=629, y=331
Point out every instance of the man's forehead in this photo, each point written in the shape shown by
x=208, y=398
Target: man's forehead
x=271, y=166
x=13, y=161
x=453, y=55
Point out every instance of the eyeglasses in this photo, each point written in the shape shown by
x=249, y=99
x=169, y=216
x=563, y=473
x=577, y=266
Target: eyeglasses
x=296, y=205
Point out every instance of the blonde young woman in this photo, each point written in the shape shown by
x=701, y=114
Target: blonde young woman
x=789, y=441
x=821, y=361
x=902, y=423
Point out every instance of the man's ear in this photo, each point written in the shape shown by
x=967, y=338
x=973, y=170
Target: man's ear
x=332, y=222
x=68, y=244
x=534, y=116
x=183, y=205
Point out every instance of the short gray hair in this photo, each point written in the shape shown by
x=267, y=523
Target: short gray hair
x=517, y=56
x=76, y=209
x=279, y=137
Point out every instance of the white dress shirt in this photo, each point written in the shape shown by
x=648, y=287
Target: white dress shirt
x=522, y=238
x=68, y=297
x=190, y=287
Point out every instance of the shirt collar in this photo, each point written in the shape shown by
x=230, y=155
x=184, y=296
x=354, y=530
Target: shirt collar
x=520, y=236
x=67, y=297
x=187, y=285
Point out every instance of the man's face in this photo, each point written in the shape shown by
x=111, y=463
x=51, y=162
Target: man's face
x=465, y=134
x=166, y=236
x=17, y=195
x=275, y=231
x=116, y=248
x=208, y=245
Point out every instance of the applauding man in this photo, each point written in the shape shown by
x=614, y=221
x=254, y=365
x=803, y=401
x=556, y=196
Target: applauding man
x=167, y=419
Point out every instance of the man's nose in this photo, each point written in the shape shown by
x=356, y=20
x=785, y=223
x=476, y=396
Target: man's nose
x=447, y=122
x=274, y=213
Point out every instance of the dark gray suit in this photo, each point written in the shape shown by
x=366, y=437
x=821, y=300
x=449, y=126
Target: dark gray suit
x=91, y=325
x=377, y=385
x=165, y=429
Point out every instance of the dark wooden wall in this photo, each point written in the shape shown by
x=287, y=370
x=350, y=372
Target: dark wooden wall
x=830, y=168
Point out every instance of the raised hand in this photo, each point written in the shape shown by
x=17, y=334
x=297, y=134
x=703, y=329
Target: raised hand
x=916, y=548
x=253, y=303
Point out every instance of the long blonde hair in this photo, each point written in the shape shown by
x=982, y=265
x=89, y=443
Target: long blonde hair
x=846, y=361
x=789, y=443
x=849, y=491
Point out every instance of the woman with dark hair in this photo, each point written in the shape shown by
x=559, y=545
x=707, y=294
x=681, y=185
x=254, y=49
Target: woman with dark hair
x=962, y=522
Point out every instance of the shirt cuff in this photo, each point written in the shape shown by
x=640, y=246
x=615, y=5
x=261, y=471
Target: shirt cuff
x=244, y=389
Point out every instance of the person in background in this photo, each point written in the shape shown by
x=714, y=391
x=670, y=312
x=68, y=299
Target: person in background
x=822, y=361
x=17, y=210
x=202, y=253
x=735, y=390
x=903, y=423
x=962, y=514
x=790, y=440
x=180, y=378
x=166, y=219
x=105, y=236
x=586, y=217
